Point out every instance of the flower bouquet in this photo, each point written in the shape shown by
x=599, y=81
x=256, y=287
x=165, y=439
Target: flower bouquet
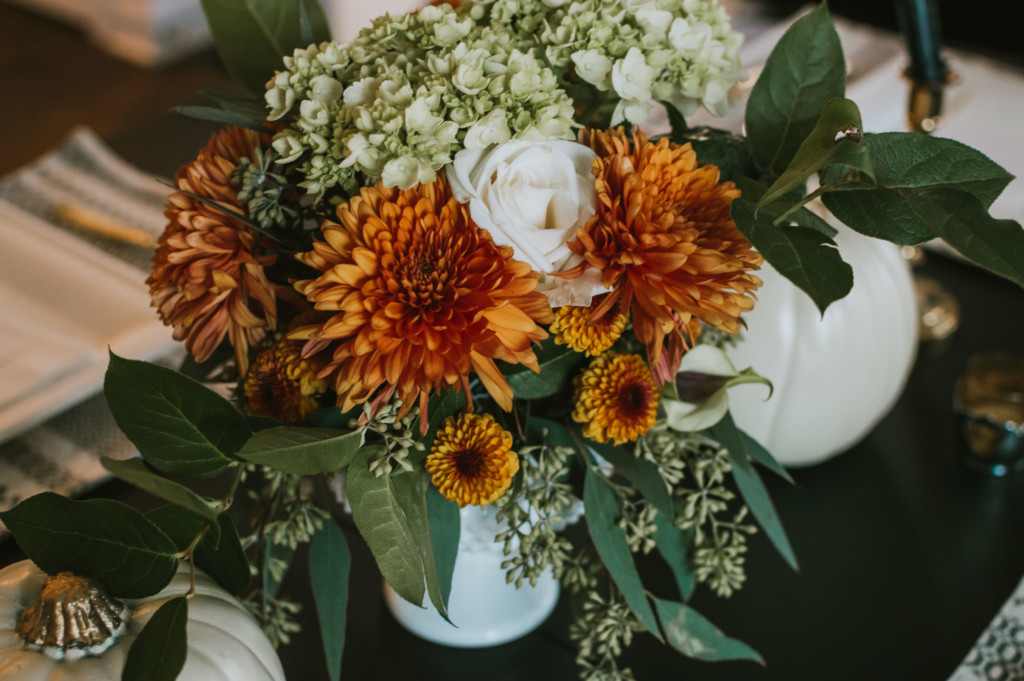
x=444, y=266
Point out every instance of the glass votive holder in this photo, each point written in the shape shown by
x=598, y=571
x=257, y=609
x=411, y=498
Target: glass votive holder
x=989, y=404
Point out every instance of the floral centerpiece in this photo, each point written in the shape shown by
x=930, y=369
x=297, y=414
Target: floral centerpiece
x=444, y=266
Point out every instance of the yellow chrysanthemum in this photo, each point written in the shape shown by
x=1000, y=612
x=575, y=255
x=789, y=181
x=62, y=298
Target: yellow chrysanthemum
x=573, y=327
x=665, y=244
x=471, y=461
x=616, y=398
x=283, y=385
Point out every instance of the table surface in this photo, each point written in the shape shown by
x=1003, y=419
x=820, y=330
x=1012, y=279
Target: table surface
x=905, y=556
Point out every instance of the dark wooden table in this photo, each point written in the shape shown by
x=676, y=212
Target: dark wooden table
x=905, y=555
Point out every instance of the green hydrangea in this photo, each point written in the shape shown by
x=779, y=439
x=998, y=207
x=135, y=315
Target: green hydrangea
x=408, y=94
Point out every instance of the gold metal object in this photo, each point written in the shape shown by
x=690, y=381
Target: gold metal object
x=97, y=223
x=924, y=106
x=73, y=617
x=989, y=400
x=938, y=310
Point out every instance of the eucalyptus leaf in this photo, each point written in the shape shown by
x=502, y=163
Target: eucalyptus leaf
x=223, y=559
x=602, y=512
x=912, y=161
x=178, y=425
x=558, y=435
x=383, y=526
x=641, y=473
x=158, y=652
x=836, y=139
x=209, y=113
x=804, y=71
x=805, y=256
x=103, y=539
x=302, y=451
x=439, y=408
x=751, y=487
x=252, y=36
x=759, y=454
x=251, y=107
x=445, y=529
x=136, y=472
x=675, y=545
x=556, y=363
x=329, y=565
x=410, y=488
x=693, y=635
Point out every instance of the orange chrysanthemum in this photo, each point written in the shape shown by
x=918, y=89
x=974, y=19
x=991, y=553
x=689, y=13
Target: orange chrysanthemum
x=421, y=297
x=573, y=327
x=471, y=460
x=282, y=385
x=664, y=242
x=208, y=279
x=616, y=398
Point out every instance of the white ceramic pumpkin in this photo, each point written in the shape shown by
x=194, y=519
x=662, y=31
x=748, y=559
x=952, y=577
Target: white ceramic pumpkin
x=836, y=376
x=224, y=642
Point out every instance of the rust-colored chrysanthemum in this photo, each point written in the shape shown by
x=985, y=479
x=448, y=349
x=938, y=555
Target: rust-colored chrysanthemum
x=471, y=460
x=282, y=384
x=421, y=297
x=208, y=279
x=616, y=398
x=664, y=242
x=573, y=327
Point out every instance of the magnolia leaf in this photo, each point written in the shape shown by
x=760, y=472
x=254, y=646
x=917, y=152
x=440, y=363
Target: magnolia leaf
x=252, y=36
x=725, y=150
x=963, y=222
x=329, y=563
x=410, y=489
x=641, y=473
x=445, y=529
x=178, y=425
x=912, y=161
x=220, y=555
x=556, y=363
x=209, y=113
x=751, y=487
x=836, y=139
x=783, y=209
x=674, y=546
x=103, y=539
x=805, y=70
x=693, y=635
x=302, y=451
x=602, y=512
x=136, y=472
x=383, y=526
x=158, y=652
x=805, y=256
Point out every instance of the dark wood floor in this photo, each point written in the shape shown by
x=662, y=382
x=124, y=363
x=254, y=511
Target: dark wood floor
x=52, y=79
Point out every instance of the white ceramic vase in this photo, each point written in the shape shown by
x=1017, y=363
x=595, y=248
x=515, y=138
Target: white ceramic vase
x=836, y=376
x=484, y=609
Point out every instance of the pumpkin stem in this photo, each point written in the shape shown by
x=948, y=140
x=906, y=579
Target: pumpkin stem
x=74, y=617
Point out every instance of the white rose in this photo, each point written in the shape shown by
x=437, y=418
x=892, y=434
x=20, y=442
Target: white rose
x=532, y=196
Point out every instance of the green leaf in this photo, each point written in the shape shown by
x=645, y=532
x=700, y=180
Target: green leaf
x=445, y=529
x=329, y=563
x=440, y=407
x=253, y=108
x=804, y=71
x=252, y=36
x=557, y=434
x=641, y=473
x=136, y=472
x=964, y=223
x=754, y=190
x=751, y=488
x=411, y=493
x=209, y=113
x=805, y=256
x=158, y=652
x=178, y=425
x=223, y=558
x=914, y=161
x=674, y=546
x=762, y=456
x=556, y=363
x=302, y=451
x=729, y=152
x=602, y=511
x=384, y=528
x=836, y=139
x=103, y=539
x=693, y=635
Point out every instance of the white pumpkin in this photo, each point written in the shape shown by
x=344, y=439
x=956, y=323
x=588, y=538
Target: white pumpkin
x=224, y=642
x=836, y=376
